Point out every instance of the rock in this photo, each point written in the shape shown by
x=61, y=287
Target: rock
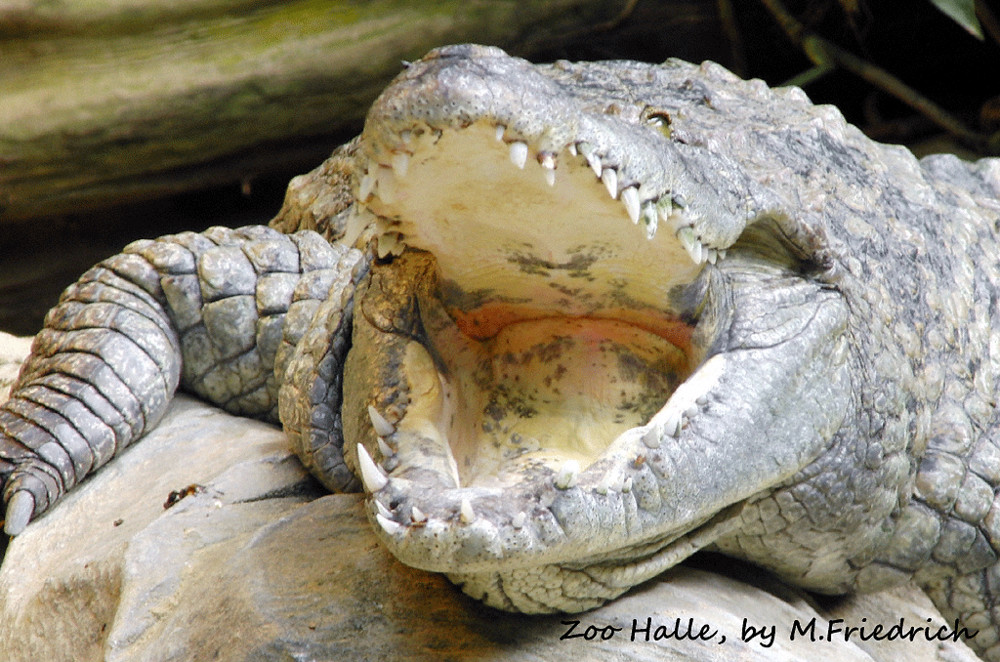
x=12, y=353
x=258, y=564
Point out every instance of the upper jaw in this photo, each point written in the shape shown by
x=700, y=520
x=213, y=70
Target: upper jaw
x=544, y=123
x=653, y=485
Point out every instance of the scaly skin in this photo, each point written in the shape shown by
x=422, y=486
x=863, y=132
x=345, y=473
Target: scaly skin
x=824, y=302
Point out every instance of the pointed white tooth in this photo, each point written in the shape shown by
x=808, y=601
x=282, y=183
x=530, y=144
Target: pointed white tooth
x=400, y=163
x=722, y=253
x=386, y=185
x=593, y=160
x=382, y=510
x=371, y=475
x=595, y=164
x=390, y=243
x=466, y=513
x=610, y=178
x=500, y=128
x=711, y=255
x=406, y=136
x=630, y=196
x=366, y=187
x=651, y=218
x=698, y=252
x=690, y=243
x=651, y=439
x=385, y=244
x=20, y=508
x=383, y=428
x=519, y=153
x=417, y=515
x=548, y=163
x=572, y=149
x=384, y=448
x=566, y=478
x=664, y=207
x=627, y=485
x=672, y=425
x=388, y=525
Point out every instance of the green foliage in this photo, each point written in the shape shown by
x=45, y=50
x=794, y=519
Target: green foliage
x=962, y=12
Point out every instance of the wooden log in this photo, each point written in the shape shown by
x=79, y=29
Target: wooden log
x=104, y=101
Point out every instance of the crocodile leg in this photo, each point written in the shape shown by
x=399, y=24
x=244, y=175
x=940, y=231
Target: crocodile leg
x=218, y=313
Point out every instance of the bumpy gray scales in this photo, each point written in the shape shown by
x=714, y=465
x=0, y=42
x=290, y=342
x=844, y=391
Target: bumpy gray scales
x=575, y=322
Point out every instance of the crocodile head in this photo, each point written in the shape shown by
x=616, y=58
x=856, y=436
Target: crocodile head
x=586, y=342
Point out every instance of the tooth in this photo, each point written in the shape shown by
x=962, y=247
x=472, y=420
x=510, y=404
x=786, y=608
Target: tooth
x=406, y=136
x=19, y=511
x=712, y=255
x=417, y=515
x=500, y=128
x=651, y=219
x=610, y=179
x=651, y=439
x=386, y=185
x=519, y=153
x=672, y=425
x=391, y=527
x=548, y=163
x=664, y=207
x=366, y=187
x=698, y=252
x=385, y=448
x=371, y=475
x=690, y=243
x=722, y=253
x=593, y=160
x=390, y=243
x=630, y=196
x=382, y=510
x=572, y=149
x=567, y=474
x=691, y=411
x=519, y=520
x=627, y=485
x=383, y=428
x=400, y=163
x=466, y=513
x=702, y=399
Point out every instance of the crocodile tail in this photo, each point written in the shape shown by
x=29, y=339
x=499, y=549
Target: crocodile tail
x=217, y=312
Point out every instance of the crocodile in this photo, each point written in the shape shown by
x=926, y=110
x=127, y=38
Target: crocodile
x=568, y=324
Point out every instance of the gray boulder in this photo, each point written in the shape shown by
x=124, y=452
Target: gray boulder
x=255, y=562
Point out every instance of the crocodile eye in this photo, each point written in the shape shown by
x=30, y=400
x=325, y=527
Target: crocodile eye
x=658, y=119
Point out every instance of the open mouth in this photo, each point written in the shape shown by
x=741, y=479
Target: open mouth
x=545, y=338
x=548, y=315
x=555, y=304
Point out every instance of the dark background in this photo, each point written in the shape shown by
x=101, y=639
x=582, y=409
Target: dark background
x=911, y=40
